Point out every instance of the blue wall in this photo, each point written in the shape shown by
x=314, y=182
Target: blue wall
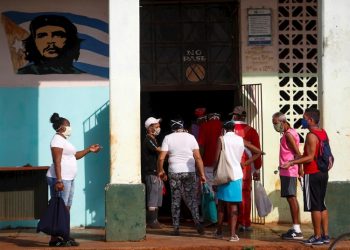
x=26, y=134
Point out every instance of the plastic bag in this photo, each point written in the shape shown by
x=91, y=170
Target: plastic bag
x=56, y=219
x=209, y=211
x=262, y=201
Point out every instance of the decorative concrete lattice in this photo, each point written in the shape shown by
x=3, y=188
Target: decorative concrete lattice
x=297, y=48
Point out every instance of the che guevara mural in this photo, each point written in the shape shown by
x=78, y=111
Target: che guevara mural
x=56, y=43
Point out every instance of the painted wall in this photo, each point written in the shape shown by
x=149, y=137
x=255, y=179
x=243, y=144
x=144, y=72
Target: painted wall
x=28, y=101
x=260, y=65
x=335, y=93
x=335, y=98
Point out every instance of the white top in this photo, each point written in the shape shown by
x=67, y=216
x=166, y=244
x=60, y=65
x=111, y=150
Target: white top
x=180, y=146
x=68, y=162
x=234, y=148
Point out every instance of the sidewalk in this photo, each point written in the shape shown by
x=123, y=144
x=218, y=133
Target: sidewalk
x=263, y=237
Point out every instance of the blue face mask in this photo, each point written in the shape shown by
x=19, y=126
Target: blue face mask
x=304, y=123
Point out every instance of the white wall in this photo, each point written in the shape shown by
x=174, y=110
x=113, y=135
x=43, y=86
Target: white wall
x=335, y=93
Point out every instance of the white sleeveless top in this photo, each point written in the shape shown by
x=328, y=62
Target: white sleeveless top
x=234, y=148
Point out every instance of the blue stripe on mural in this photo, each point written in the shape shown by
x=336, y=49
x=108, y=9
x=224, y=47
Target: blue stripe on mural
x=93, y=69
x=21, y=17
x=92, y=44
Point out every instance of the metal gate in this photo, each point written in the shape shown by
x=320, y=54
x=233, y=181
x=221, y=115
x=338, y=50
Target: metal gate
x=252, y=102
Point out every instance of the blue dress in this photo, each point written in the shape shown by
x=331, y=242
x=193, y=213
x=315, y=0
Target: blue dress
x=230, y=192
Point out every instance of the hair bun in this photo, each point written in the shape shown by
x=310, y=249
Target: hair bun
x=54, y=118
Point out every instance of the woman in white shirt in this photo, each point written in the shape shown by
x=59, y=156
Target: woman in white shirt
x=184, y=157
x=229, y=195
x=63, y=170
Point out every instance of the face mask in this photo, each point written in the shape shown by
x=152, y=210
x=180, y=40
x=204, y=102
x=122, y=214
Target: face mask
x=304, y=123
x=67, y=133
x=278, y=127
x=156, y=131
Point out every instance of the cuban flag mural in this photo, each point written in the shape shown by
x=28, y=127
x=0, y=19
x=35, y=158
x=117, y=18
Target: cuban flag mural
x=56, y=43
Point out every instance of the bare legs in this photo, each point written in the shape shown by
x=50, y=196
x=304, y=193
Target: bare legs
x=320, y=222
x=232, y=212
x=294, y=209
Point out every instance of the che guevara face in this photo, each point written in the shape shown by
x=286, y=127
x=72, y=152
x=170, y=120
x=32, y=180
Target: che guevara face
x=50, y=40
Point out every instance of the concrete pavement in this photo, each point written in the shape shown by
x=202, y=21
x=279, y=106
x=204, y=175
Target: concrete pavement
x=263, y=237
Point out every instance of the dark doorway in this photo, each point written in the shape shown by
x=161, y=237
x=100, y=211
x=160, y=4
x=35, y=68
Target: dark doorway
x=169, y=105
x=189, y=58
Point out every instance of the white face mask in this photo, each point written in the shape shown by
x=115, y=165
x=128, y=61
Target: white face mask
x=156, y=131
x=67, y=133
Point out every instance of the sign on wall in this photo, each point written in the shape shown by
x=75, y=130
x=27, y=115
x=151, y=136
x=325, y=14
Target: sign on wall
x=259, y=27
x=43, y=43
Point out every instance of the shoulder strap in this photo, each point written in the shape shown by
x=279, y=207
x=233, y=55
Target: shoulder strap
x=222, y=143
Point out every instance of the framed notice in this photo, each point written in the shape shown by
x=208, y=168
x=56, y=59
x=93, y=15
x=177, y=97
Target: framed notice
x=259, y=27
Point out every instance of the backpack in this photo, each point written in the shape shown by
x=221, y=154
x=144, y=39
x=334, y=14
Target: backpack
x=325, y=158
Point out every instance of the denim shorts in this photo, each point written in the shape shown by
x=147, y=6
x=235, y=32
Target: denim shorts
x=66, y=194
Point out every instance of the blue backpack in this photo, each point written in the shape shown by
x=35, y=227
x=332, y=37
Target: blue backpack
x=325, y=158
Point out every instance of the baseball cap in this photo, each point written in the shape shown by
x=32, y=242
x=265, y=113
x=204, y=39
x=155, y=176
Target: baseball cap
x=151, y=120
x=238, y=110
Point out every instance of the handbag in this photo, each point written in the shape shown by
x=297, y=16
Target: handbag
x=224, y=172
x=209, y=211
x=262, y=201
x=56, y=219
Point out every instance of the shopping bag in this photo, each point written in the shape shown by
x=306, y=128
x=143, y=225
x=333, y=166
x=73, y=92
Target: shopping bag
x=262, y=201
x=56, y=219
x=209, y=211
x=223, y=172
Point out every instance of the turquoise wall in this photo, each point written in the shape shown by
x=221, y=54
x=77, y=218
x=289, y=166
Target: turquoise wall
x=26, y=134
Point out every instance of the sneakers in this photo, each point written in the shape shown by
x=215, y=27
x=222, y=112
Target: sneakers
x=313, y=241
x=59, y=243
x=291, y=234
x=73, y=243
x=234, y=238
x=326, y=239
x=64, y=243
x=218, y=234
x=176, y=231
x=200, y=229
x=154, y=225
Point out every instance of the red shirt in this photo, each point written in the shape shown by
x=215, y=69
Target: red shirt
x=207, y=139
x=311, y=167
x=249, y=134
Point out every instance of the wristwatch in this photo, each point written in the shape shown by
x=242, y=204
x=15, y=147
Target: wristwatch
x=59, y=181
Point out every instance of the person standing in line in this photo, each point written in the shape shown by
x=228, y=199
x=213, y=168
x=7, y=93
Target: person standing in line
x=154, y=185
x=315, y=181
x=249, y=134
x=196, y=125
x=184, y=157
x=207, y=139
x=63, y=170
x=230, y=194
x=289, y=150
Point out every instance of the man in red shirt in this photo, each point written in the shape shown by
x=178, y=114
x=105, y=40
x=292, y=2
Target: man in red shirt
x=207, y=140
x=249, y=134
x=315, y=181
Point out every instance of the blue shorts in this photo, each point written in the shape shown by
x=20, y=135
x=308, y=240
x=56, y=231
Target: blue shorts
x=66, y=194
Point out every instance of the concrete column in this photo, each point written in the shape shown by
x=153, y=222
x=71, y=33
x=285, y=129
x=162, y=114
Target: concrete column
x=335, y=96
x=125, y=208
